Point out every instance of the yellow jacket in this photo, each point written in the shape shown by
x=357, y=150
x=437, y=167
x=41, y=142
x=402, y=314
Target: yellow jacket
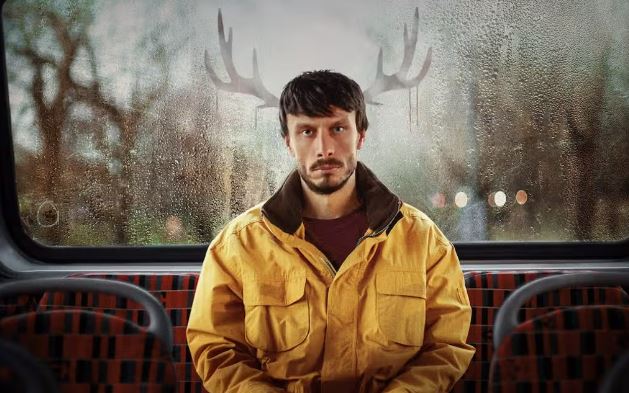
x=271, y=314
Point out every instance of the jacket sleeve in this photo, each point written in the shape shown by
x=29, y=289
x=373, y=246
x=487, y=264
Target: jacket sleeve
x=444, y=356
x=215, y=332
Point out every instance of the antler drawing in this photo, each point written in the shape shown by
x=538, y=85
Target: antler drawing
x=399, y=80
x=254, y=86
x=238, y=84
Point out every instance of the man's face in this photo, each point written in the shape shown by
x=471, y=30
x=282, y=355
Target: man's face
x=324, y=148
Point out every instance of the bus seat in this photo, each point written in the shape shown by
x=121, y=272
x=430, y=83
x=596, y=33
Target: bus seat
x=616, y=381
x=151, y=281
x=92, y=351
x=21, y=372
x=505, y=279
x=12, y=305
x=482, y=298
x=175, y=291
x=487, y=291
x=567, y=349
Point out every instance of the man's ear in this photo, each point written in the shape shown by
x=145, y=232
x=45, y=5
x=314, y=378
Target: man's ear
x=361, y=139
x=287, y=143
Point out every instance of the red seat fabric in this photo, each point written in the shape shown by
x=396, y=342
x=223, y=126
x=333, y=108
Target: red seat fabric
x=93, y=352
x=488, y=290
x=12, y=305
x=21, y=372
x=567, y=350
x=174, y=291
x=505, y=279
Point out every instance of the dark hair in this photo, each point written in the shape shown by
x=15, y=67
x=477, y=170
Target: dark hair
x=313, y=93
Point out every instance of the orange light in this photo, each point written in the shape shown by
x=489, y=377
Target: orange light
x=491, y=199
x=521, y=197
x=438, y=200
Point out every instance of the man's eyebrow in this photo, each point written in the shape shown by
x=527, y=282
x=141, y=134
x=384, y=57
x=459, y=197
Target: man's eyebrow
x=303, y=124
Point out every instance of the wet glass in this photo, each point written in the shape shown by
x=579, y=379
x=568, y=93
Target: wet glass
x=134, y=123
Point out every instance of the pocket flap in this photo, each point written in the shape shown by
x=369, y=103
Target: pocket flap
x=405, y=283
x=273, y=291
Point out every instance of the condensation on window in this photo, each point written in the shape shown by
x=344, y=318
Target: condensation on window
x=135, y=123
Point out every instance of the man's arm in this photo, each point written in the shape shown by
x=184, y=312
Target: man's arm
x=215, y=333
x=444, y=356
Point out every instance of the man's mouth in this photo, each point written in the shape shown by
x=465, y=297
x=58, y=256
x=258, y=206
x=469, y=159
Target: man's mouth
x=326, y=166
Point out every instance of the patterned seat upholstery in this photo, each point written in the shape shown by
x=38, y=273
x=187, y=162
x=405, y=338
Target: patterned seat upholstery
x=21, y=372
x=615, y=380
x=488, y=290
x=12, y=305
x=505, y=279
x=567, y=350
x=174, y=291
x=91, y=351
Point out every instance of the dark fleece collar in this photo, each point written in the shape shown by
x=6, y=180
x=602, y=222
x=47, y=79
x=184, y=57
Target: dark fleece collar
x=284, y=208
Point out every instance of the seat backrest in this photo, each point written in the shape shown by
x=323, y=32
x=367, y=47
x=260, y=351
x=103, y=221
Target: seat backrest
x=616, y=380
x=92, y=351
x=487, y=291
x=505, y=279
x=566, y=350
x=560, y=297
x=11, y=305
x=21, y=372
x=507, y=317
x=174, y=291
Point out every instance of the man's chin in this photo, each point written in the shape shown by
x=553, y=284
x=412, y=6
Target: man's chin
x=325, y=186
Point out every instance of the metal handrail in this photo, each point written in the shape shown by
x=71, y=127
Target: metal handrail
x=159, y=322
x=507, y=317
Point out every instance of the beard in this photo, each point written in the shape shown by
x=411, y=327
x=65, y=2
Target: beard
x=326, y=185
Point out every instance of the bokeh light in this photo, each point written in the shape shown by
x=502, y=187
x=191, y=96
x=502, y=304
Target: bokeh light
x=500, y=198
x=438, y=200
x=460, y=199
x=521, y=197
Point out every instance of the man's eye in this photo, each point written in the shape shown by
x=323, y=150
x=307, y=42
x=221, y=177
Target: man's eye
x=306, y=132
x=339, y=129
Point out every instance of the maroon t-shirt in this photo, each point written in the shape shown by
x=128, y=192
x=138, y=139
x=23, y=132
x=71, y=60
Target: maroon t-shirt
x=337, y=238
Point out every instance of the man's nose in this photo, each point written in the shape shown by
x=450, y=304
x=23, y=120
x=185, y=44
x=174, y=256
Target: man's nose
x=325, y=145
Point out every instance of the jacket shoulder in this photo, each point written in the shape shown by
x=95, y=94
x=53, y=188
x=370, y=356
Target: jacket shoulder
x=420, y=222
x=411, y=211
x=233, y=229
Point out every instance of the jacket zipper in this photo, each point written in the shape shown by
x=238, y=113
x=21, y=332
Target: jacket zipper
x=329, y=264
x=384, y=228
x=320, y=255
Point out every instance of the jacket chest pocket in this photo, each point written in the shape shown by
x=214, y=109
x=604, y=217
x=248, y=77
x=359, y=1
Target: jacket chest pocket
x=401, y=306
x=276, y=312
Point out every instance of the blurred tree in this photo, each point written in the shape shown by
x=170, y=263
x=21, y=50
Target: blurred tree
x=46, y=38
x=62, y=74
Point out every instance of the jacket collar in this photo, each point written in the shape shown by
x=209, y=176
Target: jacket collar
x=284, y=208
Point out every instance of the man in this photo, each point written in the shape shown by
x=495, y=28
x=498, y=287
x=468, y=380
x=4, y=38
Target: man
x=333, y=284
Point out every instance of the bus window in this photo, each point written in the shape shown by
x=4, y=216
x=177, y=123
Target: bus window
x=135, y=123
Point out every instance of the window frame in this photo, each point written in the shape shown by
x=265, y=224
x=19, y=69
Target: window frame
x=486, y=251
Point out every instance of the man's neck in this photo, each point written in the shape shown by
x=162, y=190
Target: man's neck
x=330, y=206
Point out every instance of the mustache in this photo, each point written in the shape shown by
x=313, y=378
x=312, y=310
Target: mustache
x=325, y=161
